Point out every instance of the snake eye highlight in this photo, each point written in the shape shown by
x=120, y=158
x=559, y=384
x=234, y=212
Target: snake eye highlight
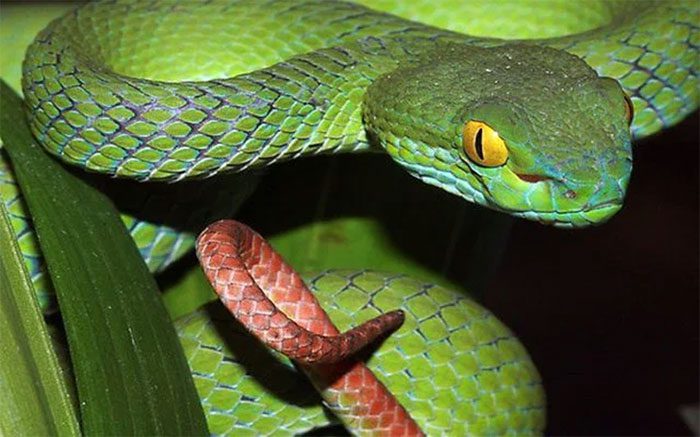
x=629, y=109
x=482, y=145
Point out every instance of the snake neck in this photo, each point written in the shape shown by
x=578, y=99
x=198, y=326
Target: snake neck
x=308, y=105
x=315, y=103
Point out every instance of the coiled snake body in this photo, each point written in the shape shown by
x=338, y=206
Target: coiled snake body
x=167, y=91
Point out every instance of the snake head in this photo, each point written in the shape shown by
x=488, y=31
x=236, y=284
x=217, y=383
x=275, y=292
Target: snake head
x=527, y=130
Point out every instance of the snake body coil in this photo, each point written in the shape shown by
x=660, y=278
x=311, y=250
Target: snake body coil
x=176, y=99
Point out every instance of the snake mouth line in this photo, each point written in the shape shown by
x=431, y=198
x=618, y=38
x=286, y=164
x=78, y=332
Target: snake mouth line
x=573, y=219
x=561, y=213
x=603, y=205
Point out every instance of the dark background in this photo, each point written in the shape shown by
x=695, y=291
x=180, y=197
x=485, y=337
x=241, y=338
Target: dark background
x=612, y=323
x=609, y=314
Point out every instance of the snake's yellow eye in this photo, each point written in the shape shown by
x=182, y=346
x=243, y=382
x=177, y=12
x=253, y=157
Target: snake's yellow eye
x=483, y=145
x=629, y=109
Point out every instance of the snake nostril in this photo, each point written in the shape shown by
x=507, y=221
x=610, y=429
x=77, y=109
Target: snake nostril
x=570, y=194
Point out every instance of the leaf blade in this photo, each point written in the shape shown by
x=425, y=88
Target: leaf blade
x=35, y=398
x=131, y=372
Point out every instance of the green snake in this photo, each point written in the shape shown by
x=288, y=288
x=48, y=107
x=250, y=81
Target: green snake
x=165, y=91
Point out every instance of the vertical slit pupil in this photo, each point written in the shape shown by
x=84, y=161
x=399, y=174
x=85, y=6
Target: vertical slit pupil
x=478, y=145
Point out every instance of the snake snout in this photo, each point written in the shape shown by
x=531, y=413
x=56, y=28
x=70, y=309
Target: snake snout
x=594, y=203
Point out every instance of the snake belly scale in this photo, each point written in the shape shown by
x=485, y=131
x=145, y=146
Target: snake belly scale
x=167, y=91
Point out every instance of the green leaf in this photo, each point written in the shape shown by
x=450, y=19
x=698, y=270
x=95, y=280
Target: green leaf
x=131, y=374
x=35, y=399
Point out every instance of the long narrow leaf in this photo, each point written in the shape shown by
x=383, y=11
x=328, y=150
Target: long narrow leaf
x=35, y=399
x=131, y=373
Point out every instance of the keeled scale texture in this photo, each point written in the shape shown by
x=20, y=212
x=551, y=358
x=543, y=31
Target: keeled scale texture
x=133, y=127
x=453, y=365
